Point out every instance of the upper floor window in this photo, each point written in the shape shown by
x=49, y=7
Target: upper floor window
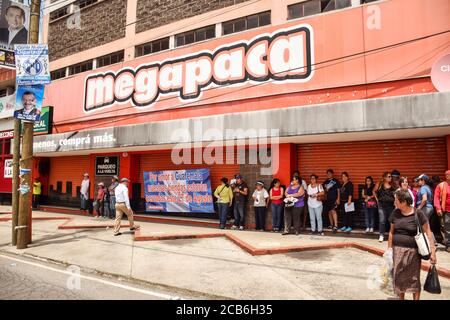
x=339, y=4
x=311, y=7
x=110, y=59
x=58, y=74
x=304, y=9
x=195, y=36
x=85, y=3
x=246, y=23
x=59, y=13
x=152, y=47
x=81, y=67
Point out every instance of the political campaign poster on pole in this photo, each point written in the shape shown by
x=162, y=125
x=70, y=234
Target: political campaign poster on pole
x=7, y=106
x=14, y=26
x=29, y=102
x=14, y=23
x=32, y=64
x=178, y=191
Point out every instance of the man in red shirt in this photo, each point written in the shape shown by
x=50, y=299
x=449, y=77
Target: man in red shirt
x=442, y=205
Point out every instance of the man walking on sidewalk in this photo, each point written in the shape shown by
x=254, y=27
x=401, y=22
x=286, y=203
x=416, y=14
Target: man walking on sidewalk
x=442, y=204
x=123, y=206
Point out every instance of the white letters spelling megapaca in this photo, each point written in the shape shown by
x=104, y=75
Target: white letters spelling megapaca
x=283, y=55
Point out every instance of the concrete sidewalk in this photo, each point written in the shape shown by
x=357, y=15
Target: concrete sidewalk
x=214, y=266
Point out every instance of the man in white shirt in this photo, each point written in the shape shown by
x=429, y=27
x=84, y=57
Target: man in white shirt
x=84, y=193
x=123, y=206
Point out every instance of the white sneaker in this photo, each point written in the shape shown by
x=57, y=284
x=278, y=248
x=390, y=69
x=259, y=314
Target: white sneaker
x=241, y=228
x=371, y=230
x=233, y=227
x=381, y=239
x=367, y=230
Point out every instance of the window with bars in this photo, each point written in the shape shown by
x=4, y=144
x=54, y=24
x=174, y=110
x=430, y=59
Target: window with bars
x=246, y=23
x=58, y=74
x=152, y=47
x=197, y=35
x=81, y=67
x=110, y=59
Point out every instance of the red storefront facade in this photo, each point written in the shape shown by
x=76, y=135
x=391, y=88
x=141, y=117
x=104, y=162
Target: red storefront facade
x=349, y=98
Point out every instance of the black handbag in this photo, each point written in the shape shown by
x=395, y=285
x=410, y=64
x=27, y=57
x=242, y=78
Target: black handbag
x=432, y=284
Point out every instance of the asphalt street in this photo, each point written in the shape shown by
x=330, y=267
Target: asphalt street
x=25, y=278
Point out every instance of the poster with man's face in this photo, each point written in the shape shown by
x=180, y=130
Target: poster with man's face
x=29, y=102
x=14, y=23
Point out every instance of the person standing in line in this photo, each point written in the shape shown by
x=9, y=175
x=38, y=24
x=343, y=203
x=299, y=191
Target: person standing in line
x=112, y=196
x=331, y=187
x=415, y=189
x=37, y=191
x=425, y=197
x=395, y=179
x=276, y=197
x=224, y=196
x=369, y=204
x=100, y=199
x=260, y=198
x=304, y=216
x=293, y=213
x=240, y=205
x=230, y=213
x=385, y=199
x=442, y=205
x=346, y=200
x=315, y=207
x=404, y=184
x=123, y=207
x=84, y=193
x=403, y=247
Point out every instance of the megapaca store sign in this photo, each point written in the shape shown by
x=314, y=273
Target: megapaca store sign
x=284, y=55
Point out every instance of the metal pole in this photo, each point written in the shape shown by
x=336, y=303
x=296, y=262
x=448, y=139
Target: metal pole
x=24, y=222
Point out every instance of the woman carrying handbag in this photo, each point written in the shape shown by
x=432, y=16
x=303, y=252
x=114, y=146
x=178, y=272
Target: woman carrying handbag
x=409, y=242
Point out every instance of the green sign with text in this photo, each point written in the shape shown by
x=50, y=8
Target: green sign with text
x=44, y=125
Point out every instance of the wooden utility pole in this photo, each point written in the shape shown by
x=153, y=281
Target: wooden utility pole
x=15, y=180
x=24, y=221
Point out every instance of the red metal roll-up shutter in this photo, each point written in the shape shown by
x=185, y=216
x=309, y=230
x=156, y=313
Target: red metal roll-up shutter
x=371, y=158
x=162, y=161
x=68, y=169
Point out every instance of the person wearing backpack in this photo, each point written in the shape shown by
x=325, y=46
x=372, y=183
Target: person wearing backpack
x=442, y=205
x=403, y=247
x=224, y=196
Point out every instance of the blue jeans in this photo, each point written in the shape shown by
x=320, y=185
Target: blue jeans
x=316, y=213
x=384, y=212
x=277, y=210
x=112, y=207
x=223, y=210
x=239, y=214
x=369, y=214
x=84, y=203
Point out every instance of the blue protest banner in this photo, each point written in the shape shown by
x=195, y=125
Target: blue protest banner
x=178, y=191
x=32, y=64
